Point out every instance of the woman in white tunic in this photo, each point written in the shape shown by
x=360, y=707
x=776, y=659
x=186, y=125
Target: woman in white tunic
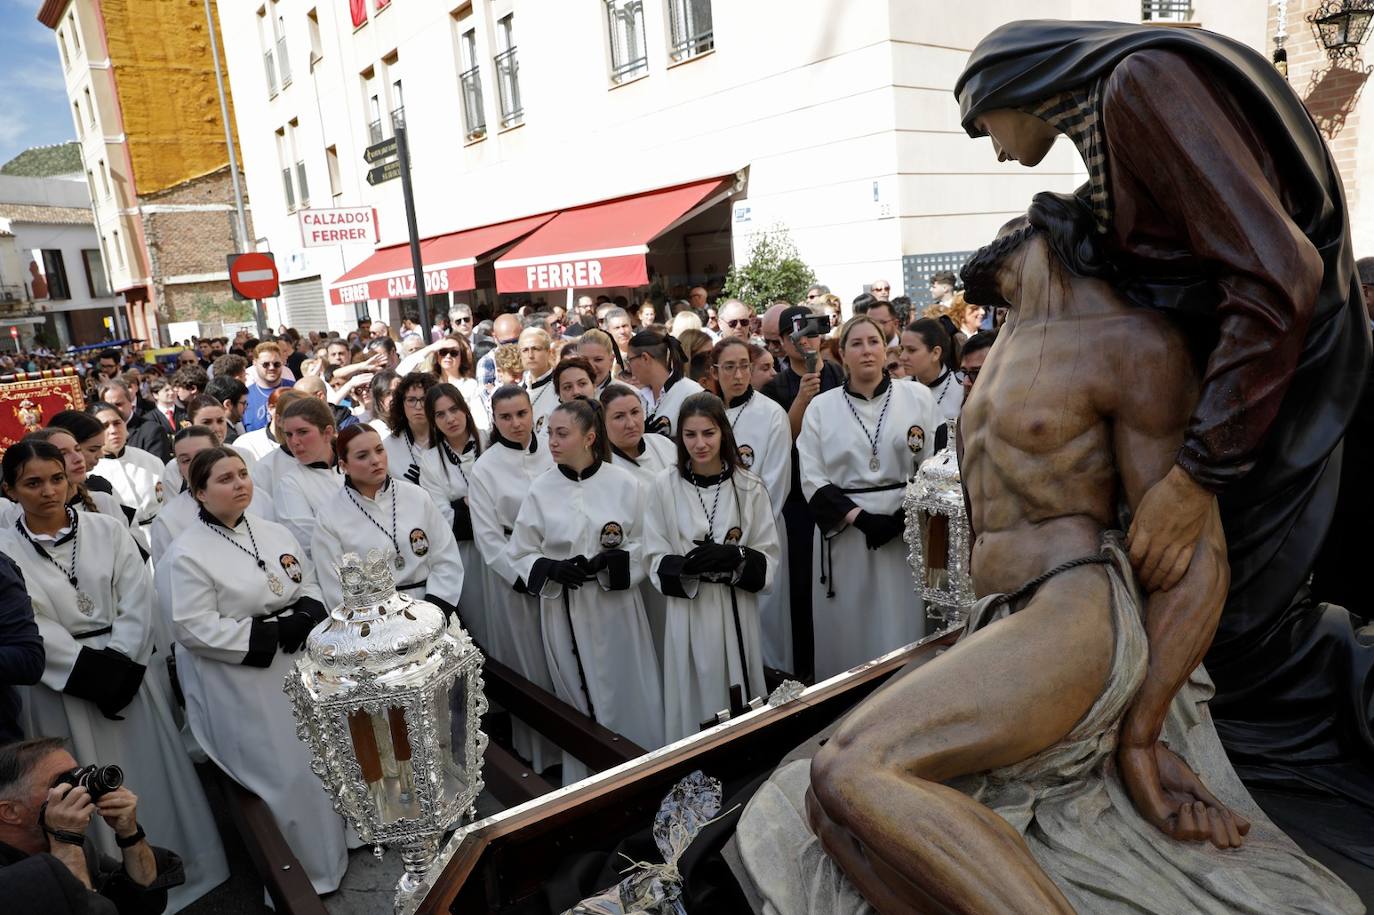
x=644, y=456
x=314, y=479
x=92, y=600
x=373, y=511
x=135, y=474
x=597, y=347
x=578, y=544
x=573, y=377
x=658, y=362
x=858, y=446
x=925, y=358
x=181, y=510
x=202, y=410
x=243, y=600
x=450, y=361
x=500, y=480
x=710, y=545
x=763, y=435
x=79, y=464
x=445, y=471
x=409, y=430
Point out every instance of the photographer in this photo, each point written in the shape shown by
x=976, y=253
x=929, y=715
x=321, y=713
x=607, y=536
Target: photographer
x=48, y=864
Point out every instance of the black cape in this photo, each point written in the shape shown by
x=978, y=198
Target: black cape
x=1293, y=676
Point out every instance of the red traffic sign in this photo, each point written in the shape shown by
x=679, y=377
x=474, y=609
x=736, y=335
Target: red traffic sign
x=14, y=332
x=253, y=275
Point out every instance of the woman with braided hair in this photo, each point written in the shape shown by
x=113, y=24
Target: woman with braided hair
x=659, y=363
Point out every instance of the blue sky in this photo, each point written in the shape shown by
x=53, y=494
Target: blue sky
x=33, y=102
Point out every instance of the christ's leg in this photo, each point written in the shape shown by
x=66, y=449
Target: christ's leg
x=1012, y=690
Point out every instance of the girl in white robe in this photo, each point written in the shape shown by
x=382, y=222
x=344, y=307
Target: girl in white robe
x=374, y=511
x=243, y=599
x=135, y=474
x=711, y=545
x=500, y=480
x=644, y=456
x=858, y=447
x=578, y=545
x=93, y=602
x=925, y=352
x=181, y=510
x=763, y=435
x=445, y=470
x=658, y=362
x=314, y=478
x=409, y=428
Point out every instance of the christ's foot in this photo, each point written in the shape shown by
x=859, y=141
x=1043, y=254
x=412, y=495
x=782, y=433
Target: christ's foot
x=1169, y=795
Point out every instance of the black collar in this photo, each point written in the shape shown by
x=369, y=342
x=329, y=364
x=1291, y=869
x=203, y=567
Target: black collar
x=211, y=519
x=541, y=380
x=671, y=380
x=577, y=477
x=270, y=436
x=877, y=392
x=939, y=381
x=288, y=452
x=615, y=449
x=72, y=516
x=322, y=465
x=116, y=457
x=386, y=485
x=743, y=398
x=703, y=482
x=498, y=438
x=455, y=457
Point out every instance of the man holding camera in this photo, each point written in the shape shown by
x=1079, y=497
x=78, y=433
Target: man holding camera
x=47, y=862
x=804, y=374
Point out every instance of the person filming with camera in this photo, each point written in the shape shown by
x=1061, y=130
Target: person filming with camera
x=49, y=863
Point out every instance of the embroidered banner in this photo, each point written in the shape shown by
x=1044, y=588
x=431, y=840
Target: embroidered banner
x=29, y=399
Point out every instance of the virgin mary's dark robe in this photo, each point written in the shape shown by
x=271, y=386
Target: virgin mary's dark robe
x=1227, y=210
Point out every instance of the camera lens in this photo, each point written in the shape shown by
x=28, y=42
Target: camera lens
x=101, y=780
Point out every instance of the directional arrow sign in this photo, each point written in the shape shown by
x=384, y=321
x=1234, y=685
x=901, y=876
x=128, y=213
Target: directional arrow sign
x=385, y=172
x=382, y=150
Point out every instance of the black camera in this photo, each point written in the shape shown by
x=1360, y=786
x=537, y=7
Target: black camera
x=98, y=780
x=810, y=326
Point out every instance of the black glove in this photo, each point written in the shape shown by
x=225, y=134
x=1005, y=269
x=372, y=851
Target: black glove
x=106, y=679
x=570, y=572
x=879, y=529
x=292, y=630
x=712, y=557
x=128, y=687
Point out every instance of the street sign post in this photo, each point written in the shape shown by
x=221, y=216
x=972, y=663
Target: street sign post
x=253, y=276
x=379, y=151
x=387, y=171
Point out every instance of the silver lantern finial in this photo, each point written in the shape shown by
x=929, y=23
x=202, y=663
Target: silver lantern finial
x=389, y=700
x=937, y=535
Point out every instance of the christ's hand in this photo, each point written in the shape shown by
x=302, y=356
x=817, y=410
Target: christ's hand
x=1166, y=528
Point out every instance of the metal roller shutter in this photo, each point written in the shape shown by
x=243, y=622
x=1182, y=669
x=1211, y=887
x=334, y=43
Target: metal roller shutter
x=303, y=305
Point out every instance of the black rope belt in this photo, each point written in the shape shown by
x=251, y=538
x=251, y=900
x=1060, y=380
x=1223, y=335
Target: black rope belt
x=1030, y=587
x=93, y=633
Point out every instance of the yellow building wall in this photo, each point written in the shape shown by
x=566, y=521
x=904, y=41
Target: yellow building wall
x=165, y=78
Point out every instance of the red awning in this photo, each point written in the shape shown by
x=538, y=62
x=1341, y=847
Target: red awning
x=603, y=244
x=448, y=260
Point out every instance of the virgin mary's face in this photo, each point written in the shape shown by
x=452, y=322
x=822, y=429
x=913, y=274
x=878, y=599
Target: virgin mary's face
x=1017, y=136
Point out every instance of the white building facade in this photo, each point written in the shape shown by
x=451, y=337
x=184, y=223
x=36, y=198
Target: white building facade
x=629, y=140
x=54, y=283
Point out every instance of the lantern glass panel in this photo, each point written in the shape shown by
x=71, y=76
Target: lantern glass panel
x=451, y=725
x=1359, y=25
x=381, y=745
x=937, y=551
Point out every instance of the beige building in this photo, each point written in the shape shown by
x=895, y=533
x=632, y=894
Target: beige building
x=141, y=87
x=561, y=147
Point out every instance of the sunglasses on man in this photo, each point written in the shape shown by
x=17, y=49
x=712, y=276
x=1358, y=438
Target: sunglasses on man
x=737, y=322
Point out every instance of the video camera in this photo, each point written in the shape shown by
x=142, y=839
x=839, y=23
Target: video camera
x=98, y=780
x=809, y=326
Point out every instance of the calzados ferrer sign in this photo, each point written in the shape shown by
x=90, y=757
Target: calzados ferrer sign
x=338, y=226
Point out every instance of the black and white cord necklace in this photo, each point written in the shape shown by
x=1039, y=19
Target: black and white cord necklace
x=273, y=581
x=734, y=420
x=873, y=462
x=455, y=458
x=83, y=600
x=399, y=561
x=715, y=504
x=943, y=382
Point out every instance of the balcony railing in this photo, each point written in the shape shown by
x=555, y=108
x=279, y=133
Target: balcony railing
x=625, y=21
x=508, y=82
x=398, y=117
x=271, y=73
x=474, y=116
x=302, y=185
x=290, y=191
x=283, y=63
x=374, y=132
x=692, y=32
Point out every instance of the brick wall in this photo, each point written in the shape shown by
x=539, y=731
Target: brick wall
x=1331, y=90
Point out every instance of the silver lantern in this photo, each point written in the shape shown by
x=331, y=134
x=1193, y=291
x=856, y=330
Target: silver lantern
x=937, y=535
x=389, y=700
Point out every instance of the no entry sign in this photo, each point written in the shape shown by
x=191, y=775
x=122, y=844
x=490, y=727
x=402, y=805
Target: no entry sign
x=253, y=275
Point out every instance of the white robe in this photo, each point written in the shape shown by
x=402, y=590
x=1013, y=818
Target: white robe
x=662, y=413
x=867, y=604
x=593, y=631
x=301, y=491
x=255, y=444
x=172, y=807
x=702, y=655
x=137, y=479
x=949, y=396
x=181, y=512
x=239, y=713
x=431, y=563
x=447, y=483
x=656, y=452
x=403, y=455
x=171, y=479
x=500, y=480
x=543, y=399
x=763, y=435
x=105, y=504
